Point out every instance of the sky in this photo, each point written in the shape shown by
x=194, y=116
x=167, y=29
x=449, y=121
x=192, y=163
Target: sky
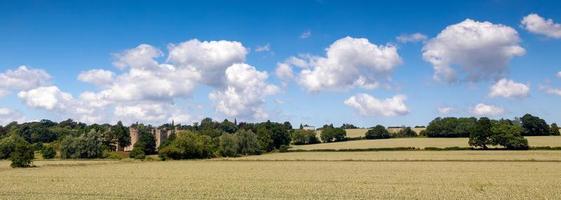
x=308, y=62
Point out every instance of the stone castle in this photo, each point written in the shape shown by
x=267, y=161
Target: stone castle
x=160, y=136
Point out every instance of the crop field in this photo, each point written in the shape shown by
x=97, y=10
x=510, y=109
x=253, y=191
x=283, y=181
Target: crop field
x=535, y=141
x=299, y=175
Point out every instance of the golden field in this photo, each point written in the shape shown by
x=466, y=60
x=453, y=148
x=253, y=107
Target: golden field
x=534, y=141
x=299, y=175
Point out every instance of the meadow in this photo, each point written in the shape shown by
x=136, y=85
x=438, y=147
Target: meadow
x=534, y=141
x=298, y=175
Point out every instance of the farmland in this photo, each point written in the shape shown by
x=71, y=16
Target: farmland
x=315, y=175
x=536, y=141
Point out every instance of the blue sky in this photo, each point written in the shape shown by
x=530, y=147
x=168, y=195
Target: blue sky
x=64, y=39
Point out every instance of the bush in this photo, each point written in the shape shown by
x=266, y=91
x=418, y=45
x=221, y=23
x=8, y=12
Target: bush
x=137, y=152
x=23, y=154
x=48, y=152
x=329, y=134
x=113, y=155
x=378, y=132
x=554, y=129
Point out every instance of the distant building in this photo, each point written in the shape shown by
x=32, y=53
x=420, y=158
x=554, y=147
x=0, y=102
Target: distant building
x=309, y=128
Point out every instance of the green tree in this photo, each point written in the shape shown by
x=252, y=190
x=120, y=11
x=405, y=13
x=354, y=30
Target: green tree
x=406, y=132
x=188, y=145
x=534, y=126
x=121, y=134
x=554, y=130
x=48, y=152
x=378, y=132
x=89, y=145
x=248, y=143
x=138, y=151
x=228, y=145
x=509, y=135
x=329, y=134
x=481, y=135
x=23, y=154
x=7, y=146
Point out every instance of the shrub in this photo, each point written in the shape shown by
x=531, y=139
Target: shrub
x=554, y=129
x=137, y=152
x=113, y=155
x=23, y=154
x=48, y=152
x=378, y=132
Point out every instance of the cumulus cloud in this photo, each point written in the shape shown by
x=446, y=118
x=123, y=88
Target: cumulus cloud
x=22, y=78
x=244, y=94
x=411, y=38
x=96, y=76
x=482, y=50
x=444, y=110
x=538, y=25
x=209, y=58
x=48, y=97
x=8, y=115
x=482, y=109
x=367, y=105
x=509, y=89
x=349, y=62
x=284, y=71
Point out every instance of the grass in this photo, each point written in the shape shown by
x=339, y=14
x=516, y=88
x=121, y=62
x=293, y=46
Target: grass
x=534, y=141
x=311, y=175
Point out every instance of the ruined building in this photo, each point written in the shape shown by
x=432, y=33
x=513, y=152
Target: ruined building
x=160, y=135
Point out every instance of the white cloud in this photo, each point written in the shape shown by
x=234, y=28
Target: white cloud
x=306, y=34
x=559, y=74
x=244, y=94
x=8, y=115
x=49, y=97
x=554, y=91
x=481, y=49
x=209, y=58
x=263, y=48
x=367, y=105
x=482, y=109
x=350, y=62
x=415, y=37
x=538, y=25
x=508, y=88
x=444, y=110
x=96, y=76
x=284, y=71
x=141, y=57
x=22, y=78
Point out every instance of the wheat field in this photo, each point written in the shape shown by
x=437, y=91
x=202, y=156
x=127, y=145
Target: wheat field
x=535, y=141
x=300, y=175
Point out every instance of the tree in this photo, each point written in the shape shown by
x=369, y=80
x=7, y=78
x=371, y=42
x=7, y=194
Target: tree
x=138, y=151
x=300, y=137
x=406, y=132
x=348, y=126
x=481, y=135
x=248, y=143
x=146, y=140
x=329, y=134
x=264, y=137
x=121, y=134
x=228, y=126
x=188, y=145
x=48, y=152
x=509, y=135
x=23, y=154
x=554, y=130
x=534, y=126
x=450, y=127
x=378, y=132
x=89, y=145
x=228, y=145
x=7, y=146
